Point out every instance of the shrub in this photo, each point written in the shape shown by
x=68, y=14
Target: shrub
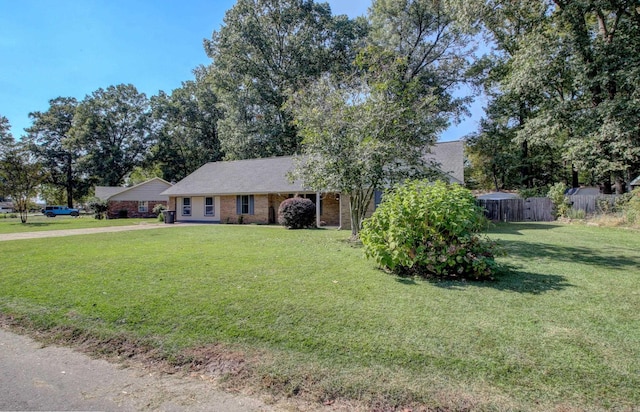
x=158, y=209
x=430, y=230
x=99, y=207
x=560, y=201
x=632, y=208
x=297, y=213
x=578, y=214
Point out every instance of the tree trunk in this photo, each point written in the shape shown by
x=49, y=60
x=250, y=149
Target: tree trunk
x=574, y=177
x=359, y=201
x=69, y=185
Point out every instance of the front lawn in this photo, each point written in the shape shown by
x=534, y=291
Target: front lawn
x=303, y=313
x=38, y=223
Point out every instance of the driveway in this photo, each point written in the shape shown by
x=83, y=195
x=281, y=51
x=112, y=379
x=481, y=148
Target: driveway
x=72, y=232
x=37, y=378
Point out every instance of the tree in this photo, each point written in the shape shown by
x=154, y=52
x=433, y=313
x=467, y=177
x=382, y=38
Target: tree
x=6, y=142
x=434, y=51
x=266, y=50
x=371, y=130
x=53, y=146
x=188, y=134
x=114, y=128
x=573, y=65
x=20, y=175
x=360, y=137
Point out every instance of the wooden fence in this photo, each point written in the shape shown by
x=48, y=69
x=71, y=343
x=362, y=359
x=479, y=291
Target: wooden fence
x=593, y=203
x=533, y=209
x=540, y=209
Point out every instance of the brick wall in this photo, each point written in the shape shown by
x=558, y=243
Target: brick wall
x=346, y=214
x=115, y=206
x=260, y=208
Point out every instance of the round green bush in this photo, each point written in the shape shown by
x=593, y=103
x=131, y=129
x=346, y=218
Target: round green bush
x=430, y=230
x=297, y=213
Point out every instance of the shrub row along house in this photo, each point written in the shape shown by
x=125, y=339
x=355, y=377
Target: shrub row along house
x=250, y=191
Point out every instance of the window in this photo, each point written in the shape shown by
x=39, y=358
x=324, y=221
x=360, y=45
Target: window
x=209, y=208
x=143, y=206
x=244, y=204
x=186, y=206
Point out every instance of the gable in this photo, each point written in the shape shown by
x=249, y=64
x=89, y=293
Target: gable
x=450, y=157
x=149, y=190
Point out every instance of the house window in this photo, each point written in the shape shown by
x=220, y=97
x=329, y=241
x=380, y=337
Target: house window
x=244, y=205
x=209, y=208
x=186, y=206
x=143, y=206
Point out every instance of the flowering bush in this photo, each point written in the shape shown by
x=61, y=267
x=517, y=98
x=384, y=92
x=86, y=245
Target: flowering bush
x=430, y=230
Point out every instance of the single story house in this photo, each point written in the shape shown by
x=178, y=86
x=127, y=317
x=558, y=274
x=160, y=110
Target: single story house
x=134, y=201
x=250, y=191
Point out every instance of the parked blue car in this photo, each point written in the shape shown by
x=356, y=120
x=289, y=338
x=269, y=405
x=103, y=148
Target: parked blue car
x=53, y=211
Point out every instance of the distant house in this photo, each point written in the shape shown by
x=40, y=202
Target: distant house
x=635, y=183
x=6, y=207
x=134, y=201
x=250, y=191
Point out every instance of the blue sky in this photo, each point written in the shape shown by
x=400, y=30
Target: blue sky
x=70, y=48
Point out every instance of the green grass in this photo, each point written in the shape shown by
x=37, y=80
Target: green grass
x=313, y=317
x=38, y=223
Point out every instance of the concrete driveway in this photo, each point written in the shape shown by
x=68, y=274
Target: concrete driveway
x=87, y=231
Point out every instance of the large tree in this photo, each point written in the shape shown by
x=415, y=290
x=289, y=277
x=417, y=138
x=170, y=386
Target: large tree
x=58, y=153
x=368, y=131
x=266, y=50
x=573, y=66
x=114, y=127
x=188, y=133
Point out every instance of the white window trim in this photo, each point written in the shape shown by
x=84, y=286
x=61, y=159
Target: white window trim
x=186, y=207
x=212, y=206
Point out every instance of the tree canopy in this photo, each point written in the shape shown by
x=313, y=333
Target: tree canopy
x=266, y=50
x=114, y=128
x=571, y=69
x=55, y=149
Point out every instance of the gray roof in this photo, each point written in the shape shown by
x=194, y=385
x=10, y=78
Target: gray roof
x=105, y=192
x=636, y=181
x=450, y=156
x=269, y=175
x=251, y=176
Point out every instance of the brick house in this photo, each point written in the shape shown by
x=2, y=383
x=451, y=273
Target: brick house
x=135, y=201
x=250, y=191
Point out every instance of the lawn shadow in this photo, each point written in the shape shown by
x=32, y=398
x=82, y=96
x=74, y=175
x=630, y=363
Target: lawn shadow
x=512, y=280
x=515, y=228
x=603, y=257
x=37, y=224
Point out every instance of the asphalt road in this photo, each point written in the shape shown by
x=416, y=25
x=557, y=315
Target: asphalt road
x=37, y=378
